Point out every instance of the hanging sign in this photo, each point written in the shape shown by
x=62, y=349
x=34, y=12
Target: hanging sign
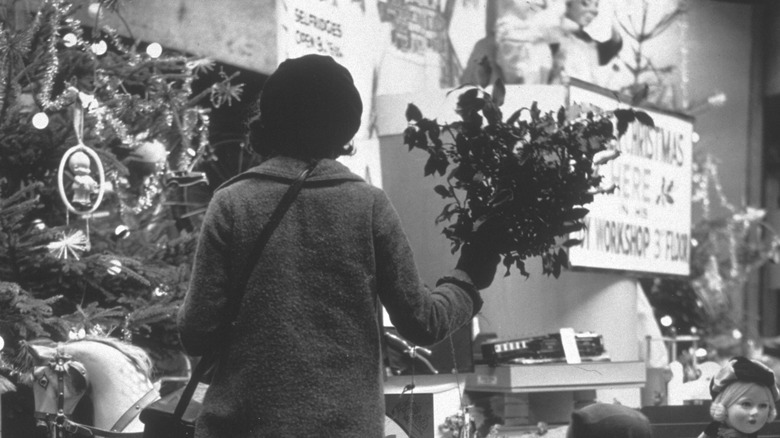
x=344, y=30
x=645, y=224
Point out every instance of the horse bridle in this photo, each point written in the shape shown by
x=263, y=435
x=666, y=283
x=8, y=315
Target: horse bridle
x=63, y=426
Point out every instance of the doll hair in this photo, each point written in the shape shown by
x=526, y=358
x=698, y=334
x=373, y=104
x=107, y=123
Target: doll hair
x=732, y=393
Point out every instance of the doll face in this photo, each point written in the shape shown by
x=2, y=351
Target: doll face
x=750, y=412
x=582, y=11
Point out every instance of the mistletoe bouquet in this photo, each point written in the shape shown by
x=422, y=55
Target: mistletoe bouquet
x=521, y=183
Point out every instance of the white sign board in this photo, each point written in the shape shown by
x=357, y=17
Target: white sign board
x=644, y=225
x=345, y=31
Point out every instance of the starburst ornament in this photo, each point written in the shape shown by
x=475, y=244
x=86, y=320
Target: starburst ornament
x=70, y=244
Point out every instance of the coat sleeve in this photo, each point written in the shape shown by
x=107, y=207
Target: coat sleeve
x=422, y=315
x=201, y=316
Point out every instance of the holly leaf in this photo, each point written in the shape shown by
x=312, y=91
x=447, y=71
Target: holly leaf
x=644, y=118
x=437, y=162
x=624, y=117
x=561, y=116
x=514, y=117
x=430, y=166
x=556, y=269
x=625, y=114
x=508, y=261
x=410, y=136
x=492, y=113
x=447, y=212
x=469, y=103
x=434, y=130
x=413, y=114
x=443, y=191
x=575, y=214
x=499, y=92
x=441, y=166
x=535, y=113
x=622, y=127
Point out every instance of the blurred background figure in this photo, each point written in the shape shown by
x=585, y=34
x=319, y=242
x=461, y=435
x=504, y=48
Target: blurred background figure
x=524, y=32
x=587, y=42
x=602, y=420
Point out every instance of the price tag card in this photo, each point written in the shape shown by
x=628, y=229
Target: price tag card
x=569, y=343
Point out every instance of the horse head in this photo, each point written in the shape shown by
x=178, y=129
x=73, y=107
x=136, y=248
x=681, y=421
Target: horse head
x=105, y=380
x=51, y=363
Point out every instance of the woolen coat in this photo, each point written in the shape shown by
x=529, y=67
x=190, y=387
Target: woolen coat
x=304, y=358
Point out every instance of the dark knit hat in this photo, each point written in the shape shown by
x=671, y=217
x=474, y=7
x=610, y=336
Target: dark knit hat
x=743, y=369
x=603, y=420
x=309, y=101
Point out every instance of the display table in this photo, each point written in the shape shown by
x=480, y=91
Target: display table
x=557, y=377
x=434, y=398
x=523, y=395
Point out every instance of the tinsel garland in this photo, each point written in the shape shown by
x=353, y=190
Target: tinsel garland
x=52, y=67
x=152, y=189
x=4, y=66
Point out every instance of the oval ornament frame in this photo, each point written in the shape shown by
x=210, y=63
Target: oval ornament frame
x=101, y=174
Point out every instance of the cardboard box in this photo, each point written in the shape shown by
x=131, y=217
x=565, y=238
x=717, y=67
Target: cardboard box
x=433, y=400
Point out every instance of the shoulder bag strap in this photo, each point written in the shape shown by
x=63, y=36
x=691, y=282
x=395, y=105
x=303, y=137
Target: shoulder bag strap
x=207, y=362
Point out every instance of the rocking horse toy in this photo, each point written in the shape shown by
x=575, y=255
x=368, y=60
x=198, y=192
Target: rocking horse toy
x=112, y=375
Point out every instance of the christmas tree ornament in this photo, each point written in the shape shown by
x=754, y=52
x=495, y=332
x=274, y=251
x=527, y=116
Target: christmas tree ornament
x=79, y=333
x=26, y=103
x=142, y=187
x=99, y=48
x=122, y=232
x=185, y=179
x=150, y=152
x=83, y=183
x=94, y=9
x=115, y=267
x=40, y=120
x=38, y=224
x=2, y=343
x=80, y=159
x=88, y=101
x=154, y=50
x=70, y=39
x=69, y=244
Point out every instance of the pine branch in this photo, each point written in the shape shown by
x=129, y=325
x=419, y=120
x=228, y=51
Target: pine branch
x=93, y=315
x=21, y=315
x=144, y=317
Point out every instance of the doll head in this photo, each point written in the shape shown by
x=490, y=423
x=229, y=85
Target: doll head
x=744, y=394
x=582, y=12
x=79, y=163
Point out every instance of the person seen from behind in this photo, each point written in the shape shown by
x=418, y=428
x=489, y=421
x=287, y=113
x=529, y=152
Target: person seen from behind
x=303, y=357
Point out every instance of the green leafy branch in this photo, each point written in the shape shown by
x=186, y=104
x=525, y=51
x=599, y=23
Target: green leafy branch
x=530, y=176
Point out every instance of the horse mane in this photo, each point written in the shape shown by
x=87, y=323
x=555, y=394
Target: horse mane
x=137, y=356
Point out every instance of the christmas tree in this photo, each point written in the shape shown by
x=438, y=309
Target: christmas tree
x=102, y=142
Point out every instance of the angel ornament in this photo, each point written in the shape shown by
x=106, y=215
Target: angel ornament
x=84, y=186
x=87, y=179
